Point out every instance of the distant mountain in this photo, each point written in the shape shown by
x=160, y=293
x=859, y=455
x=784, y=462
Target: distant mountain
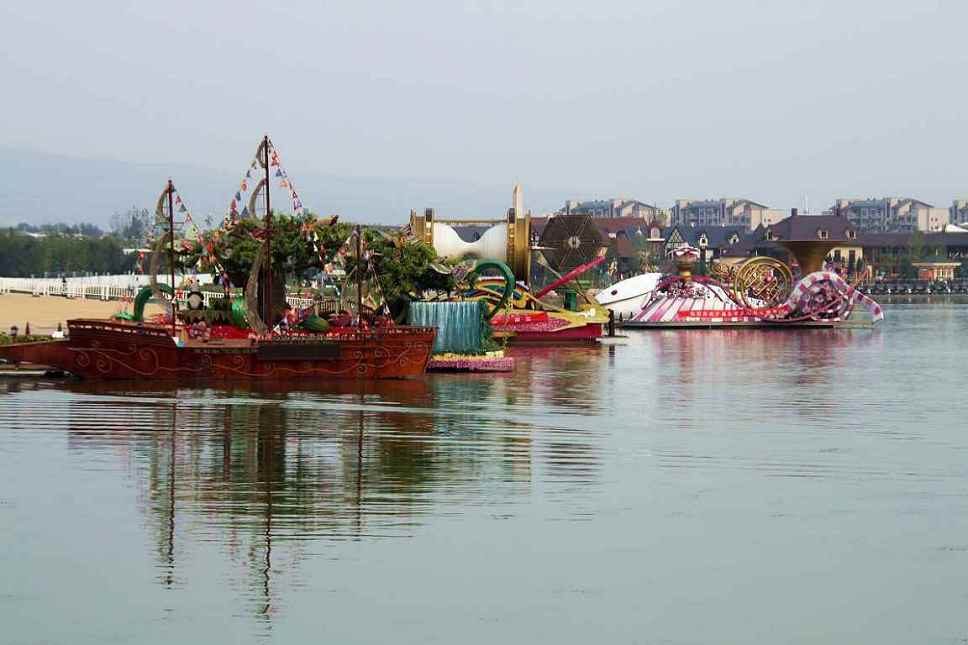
x=42, y=188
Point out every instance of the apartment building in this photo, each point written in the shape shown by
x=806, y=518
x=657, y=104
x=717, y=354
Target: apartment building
x=892, y=215
x=723, y=212
x=615, y=207
x=958, y=213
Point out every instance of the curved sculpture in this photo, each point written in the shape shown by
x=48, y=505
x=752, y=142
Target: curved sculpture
x=256, y=194
x=507, y=241
x=144, y=295
x=492, y=245
x=505, y=271
x=762, y=281
x=252, y=293
x=825, y=295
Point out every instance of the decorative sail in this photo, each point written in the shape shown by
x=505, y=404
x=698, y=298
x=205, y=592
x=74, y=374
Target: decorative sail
x=246, y=200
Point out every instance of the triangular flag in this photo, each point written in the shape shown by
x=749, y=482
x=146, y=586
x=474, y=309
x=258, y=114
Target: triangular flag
x=245, y=185
x=248, y=175
x=182, y=209
x=177, y=198
x=238, y=196
x=279, y=173
x=245, y=211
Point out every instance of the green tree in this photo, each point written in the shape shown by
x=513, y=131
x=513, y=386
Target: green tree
x=22, y=255
x=915, y=252
x=402, y=268
x=292, y=245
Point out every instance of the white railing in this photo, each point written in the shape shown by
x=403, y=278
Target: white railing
x=101, y=286
x=116, y=287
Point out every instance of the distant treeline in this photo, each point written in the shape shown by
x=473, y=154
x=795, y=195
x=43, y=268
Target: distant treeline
x=90, y=230
x=22, y=255
x=34, y=250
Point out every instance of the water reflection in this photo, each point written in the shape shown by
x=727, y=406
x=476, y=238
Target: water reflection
x=261, y=469
x=616, y=472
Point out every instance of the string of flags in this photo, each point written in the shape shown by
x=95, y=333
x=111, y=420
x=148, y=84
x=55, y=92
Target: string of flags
x=252, y=181
x=186, y=224
x=188, y=230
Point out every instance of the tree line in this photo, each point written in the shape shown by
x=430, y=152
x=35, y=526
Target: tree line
x=23, y=256
x=35, y=250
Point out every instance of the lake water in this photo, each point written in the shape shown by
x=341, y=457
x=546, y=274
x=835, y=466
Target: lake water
x=682, y=487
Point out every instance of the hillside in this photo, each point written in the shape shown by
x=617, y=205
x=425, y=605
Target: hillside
x=40, y=188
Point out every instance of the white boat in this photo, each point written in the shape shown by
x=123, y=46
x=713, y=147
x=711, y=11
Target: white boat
x=626, y=298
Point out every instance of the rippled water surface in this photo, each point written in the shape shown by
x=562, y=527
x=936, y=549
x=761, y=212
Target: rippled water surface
x=682, y=487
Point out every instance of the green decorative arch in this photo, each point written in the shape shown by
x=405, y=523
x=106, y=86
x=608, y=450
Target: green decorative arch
x=509, y=283
x=138, y=315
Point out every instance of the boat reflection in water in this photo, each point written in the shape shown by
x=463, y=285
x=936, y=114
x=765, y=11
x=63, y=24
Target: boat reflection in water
x=263, y=470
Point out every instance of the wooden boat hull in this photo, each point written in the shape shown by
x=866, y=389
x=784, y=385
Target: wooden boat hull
x=109, y=350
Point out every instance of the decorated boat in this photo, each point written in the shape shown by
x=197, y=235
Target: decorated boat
x=501, y=276
x=521, y=316
x=759, y=292
x=255, y=337
x=108, y=349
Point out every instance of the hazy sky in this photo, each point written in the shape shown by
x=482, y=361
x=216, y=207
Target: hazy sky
x=654, y=99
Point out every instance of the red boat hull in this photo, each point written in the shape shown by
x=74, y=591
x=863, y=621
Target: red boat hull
x=587, y=334
x=539, y=327
x=107, y=350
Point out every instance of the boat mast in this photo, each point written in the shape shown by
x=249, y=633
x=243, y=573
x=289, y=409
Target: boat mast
x=171, y=256
x=268, y=287
x=359, y=278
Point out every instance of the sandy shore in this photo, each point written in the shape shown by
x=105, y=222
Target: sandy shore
x=45, y=312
